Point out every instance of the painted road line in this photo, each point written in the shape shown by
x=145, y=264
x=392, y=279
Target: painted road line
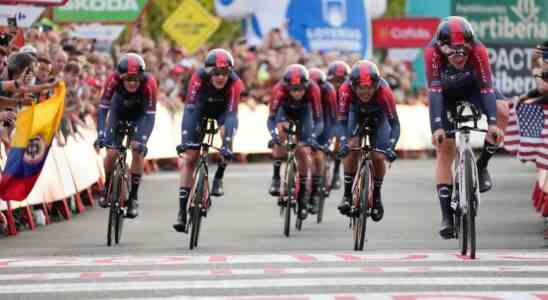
x=538, y=295
x=227, y=272
x=56, y=261
x=269, y=283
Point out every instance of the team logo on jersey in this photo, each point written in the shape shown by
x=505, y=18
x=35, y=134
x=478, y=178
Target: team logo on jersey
x=334, y=12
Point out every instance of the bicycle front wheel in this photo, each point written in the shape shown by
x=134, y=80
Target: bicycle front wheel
x=196, y=206
x=289, y=188
x=113, y=200
x=471, y=186
x=364, y=193
x=120, y=192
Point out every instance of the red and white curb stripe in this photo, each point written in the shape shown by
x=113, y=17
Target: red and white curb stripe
x=278, y=283
x=248, y=259
x=227, y=272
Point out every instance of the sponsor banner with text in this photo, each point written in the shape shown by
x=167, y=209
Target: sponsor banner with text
x=403, y=32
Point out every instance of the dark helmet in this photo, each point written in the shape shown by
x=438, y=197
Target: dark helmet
x=317, y=75
x=131, y=64
x=364, y=73
x=296, y=76
x=219, y=59
x=454, y=31
x=339, y=70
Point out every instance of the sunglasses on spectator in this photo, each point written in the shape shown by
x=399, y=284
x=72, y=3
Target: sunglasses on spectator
x=220, y=72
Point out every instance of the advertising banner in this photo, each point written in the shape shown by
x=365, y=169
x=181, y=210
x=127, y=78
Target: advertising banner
x=511, y=67
x=326, y=25
x=510, y=29
x=35, y=2
x=506, y=21
x=26, y=15
x=403, y=32
x=125, y=11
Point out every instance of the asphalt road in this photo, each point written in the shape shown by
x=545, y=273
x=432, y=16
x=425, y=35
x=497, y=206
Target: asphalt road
x=243, y=252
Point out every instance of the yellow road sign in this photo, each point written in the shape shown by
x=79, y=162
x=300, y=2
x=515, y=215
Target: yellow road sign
x=191, y=25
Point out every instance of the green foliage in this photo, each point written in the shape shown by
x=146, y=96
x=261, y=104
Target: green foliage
x=395, y=8
x=160, y=10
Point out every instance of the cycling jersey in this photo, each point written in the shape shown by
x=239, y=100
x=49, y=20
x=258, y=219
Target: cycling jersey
x=138, y=107
x=380, y=112
x=306, y=112
x=203, y=100
x=447, y=84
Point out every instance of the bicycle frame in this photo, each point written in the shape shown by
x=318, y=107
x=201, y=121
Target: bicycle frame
x=209, y=132
x=463, y=146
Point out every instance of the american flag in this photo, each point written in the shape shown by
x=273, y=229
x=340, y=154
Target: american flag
x=527, y=133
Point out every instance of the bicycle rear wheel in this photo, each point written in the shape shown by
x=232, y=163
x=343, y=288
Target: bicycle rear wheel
x=364, y=188
x=289, y=189
x=196, y=200
x=471, y=186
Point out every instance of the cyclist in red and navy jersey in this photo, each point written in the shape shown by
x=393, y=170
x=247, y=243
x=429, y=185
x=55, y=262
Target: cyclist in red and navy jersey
x=366, y=98
x=337, y=74
x=457, y=68
x=296, y=98
x=213, y=92
x=129, y=95
x=329, y=109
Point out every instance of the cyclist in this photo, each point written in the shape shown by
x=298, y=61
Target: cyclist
x=457, y=68
x=213, y=92
x=366, y=97
x=129, y=95
x=329, y=108
x=337, y=74
x=295, y=98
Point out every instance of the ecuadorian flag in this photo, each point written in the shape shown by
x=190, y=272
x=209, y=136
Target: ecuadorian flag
x=35, y=128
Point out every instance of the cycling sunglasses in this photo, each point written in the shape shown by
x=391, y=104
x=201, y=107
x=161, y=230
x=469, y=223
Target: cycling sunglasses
x=219, y=72
x=132, y=78
x=451, y=51
x=297, y=88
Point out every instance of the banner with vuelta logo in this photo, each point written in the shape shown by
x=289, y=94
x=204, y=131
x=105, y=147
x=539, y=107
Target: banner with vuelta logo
x=404, y=32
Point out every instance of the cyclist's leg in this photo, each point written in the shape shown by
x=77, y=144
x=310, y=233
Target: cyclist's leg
x=191, y=136
x=381, y=142
x=336, y=179
x=319, y=162
x=217, y=186
x=142, y=129
x=489, y=148
x=304, y=124
x=350, y=162
x=445, y=155
x=113, y=142
x=278, y=152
